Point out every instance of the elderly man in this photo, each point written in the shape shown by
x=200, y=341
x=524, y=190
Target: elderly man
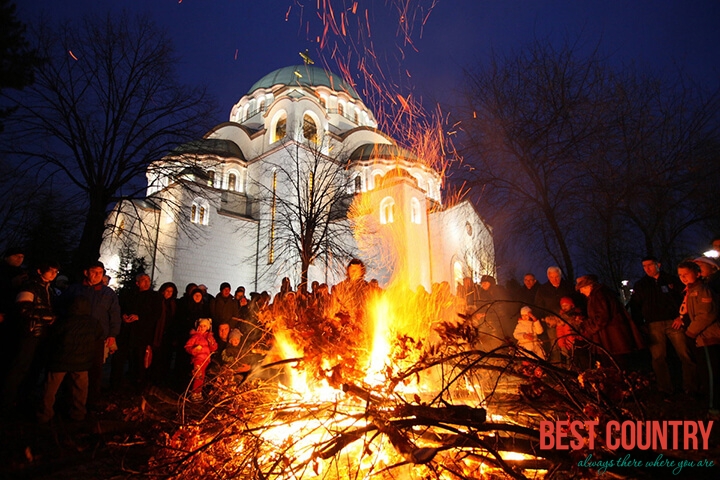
x=105, y=309
x=655, y=303
x=547, y=301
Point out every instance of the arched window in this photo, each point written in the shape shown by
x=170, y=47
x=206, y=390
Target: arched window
x=261, y=106
x=387, y=210
x=377, y=179
x=309, y=128
x=358, y=184
x=323, y=102
x=279, y=127
x=357, y=117
x=415, y=216
x=200, y=211
x=211, y=178
x=341, y=108
x=232, y=182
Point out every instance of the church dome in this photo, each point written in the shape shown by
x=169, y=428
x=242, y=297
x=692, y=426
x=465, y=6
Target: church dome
x=304, y=76
x=210, y=146
x=381, y=151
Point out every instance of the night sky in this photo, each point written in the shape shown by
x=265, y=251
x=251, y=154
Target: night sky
x=229, y=44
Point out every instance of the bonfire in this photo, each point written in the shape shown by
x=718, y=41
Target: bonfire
x=410, y=391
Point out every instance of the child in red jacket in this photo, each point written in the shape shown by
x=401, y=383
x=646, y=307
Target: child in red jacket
x=200, y=346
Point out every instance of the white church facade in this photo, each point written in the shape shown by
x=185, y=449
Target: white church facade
x=213, y=210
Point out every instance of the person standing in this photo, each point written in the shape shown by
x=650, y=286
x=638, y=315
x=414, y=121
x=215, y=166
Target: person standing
x=141, y=311
x=104, y=309
x=655, y=303
x=700, y=306
x=547, y=303
x=224, y=308
x=35, y=306
x=528, y=291
x=608, y=324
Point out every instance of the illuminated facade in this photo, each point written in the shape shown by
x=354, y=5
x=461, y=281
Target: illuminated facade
x=210, y=213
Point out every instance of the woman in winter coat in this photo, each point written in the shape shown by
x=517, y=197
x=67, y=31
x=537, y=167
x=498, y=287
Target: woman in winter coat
x=608, y=324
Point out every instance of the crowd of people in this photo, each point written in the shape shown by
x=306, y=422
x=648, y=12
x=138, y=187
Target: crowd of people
x=74, y=334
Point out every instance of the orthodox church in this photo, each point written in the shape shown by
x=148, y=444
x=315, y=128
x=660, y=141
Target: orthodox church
x=229, y=206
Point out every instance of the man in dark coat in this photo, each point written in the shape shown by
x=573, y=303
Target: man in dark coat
x=72, y=352
x=12, y=277
x=528, y=291
x=140, y=313
x=105, y=310
x=655, y=303
x=36, y=315
x=224, y=308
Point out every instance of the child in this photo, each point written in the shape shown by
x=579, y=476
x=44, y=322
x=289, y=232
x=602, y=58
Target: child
x=200, y=346
x=231, y=356
x=71, y=356
x=570, y=317
x=527, y=331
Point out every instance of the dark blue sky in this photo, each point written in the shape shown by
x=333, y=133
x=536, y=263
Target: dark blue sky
x=656, y=34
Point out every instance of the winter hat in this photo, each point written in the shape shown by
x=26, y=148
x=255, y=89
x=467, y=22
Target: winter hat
x=488, y=278
x=567, y=301
x=707, y=261
x=585, y=281
x=234, y=333
x=525, y=310
x=206, y=321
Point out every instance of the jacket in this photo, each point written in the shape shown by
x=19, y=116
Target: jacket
x=703, y=312
x=74, y=339
x=656, y=300
x=608, y=323
x=206, y=341
x=104, y=305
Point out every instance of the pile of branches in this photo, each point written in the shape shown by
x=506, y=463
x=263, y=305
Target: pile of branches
x=482, y=403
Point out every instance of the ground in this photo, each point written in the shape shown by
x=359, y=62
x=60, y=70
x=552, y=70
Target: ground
x=118, y=439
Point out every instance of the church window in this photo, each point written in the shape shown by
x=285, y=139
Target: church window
x=358, y=184
x=415, y=216
x=377, y=179
x=232, y=182
x=341, y=108
x=261, y=106
x=309, y=128
x=323, y=102
x=200, y=211
x=211, y=178
x=120, y=227
x=387, y=210
x=280, y=128
x=357, y=117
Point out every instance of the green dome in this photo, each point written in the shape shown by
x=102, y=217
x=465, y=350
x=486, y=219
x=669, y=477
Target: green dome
x=305, y=76
x=381, y=151
x=210, y=146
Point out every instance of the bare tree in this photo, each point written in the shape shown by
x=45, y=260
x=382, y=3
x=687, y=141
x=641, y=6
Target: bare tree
x=104, y=105
x=529, y=121
x=664, y=157
x=307, y=201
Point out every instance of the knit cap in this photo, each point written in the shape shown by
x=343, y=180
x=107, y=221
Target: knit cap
x=234, y=333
